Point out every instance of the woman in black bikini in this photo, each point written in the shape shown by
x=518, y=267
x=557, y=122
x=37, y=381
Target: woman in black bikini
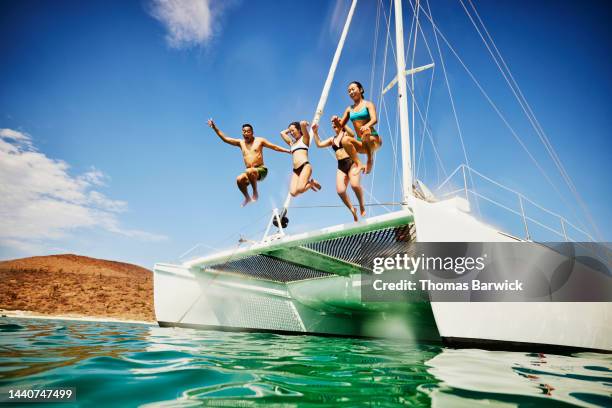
x=348, y=171
x=298, y=139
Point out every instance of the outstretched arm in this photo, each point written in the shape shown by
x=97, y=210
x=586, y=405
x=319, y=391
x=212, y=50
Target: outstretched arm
x=286, y=137
x=270, y=145
x=318, y=142
x=346, y=127
x=345, y=118
x=305, y=133
x=228, y=140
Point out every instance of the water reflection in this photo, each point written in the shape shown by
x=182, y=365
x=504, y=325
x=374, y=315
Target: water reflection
x=298, y=370
x=137, y=365
x=470, y=376
x=65, y=343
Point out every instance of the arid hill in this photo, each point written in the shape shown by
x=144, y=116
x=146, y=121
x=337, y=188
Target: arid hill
x=77, y=285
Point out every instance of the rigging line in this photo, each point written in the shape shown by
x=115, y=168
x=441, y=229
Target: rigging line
x=420, y=26
x=383, y=105
x=373, y=69
x=386, y=53
x=343, y=206
x=393, y=138
x=378, y=5
x=425, y=122
x=529, y=112
x=523, y=197
x=373, y=172
x=381, y=102
x=382, y=80
x=226, y=238
x=217, y=271
x=410, y=34
x=423, y=34
x=375, y=199
x=412, y=39
x=388, y=20
x=416, y=36
x=421, y=147
x=520, y=99
x=418, y=110
x=450, y=93
x=496, y=109
x=396, y=136
x=372, y=73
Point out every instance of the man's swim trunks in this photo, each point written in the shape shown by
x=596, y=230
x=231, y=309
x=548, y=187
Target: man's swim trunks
x=262, y=172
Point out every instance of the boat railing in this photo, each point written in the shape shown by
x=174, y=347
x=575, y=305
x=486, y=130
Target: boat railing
x=564, y=229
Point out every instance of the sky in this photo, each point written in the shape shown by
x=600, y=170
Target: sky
x=105, y=152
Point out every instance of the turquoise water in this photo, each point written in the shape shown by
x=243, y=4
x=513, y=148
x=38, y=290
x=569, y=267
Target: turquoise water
x=134, y=365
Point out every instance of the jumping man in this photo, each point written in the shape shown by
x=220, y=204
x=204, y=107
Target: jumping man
x=252, y=153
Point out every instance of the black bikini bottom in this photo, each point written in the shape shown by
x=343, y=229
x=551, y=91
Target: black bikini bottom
x=298, y=171
x=344, y=165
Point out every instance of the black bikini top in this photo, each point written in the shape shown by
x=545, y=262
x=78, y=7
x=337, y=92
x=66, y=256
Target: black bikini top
x=335, y=146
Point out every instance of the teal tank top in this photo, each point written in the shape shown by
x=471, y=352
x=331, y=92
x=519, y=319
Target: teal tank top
x=361, y=114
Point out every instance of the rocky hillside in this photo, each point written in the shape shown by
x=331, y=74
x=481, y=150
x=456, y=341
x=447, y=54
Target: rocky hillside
x=77, y=285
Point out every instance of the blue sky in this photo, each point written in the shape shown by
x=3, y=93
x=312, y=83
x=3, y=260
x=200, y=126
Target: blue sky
x=105, y=151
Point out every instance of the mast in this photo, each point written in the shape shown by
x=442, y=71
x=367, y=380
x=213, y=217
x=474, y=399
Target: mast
x=403, y=105
x=329, y=79
x=320, y=106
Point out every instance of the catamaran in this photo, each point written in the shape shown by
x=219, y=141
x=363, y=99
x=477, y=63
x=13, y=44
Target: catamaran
x=309, y=283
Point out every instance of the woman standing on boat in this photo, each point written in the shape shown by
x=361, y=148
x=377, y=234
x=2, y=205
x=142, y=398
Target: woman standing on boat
x=298, y=139
x=348, y=170
x=363, y=115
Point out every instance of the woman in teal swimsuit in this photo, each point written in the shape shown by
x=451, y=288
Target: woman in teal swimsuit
x=363, y=115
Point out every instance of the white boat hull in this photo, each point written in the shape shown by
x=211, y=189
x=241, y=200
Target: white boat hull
x=323, y=306
x=189, y=296
x=507, y=325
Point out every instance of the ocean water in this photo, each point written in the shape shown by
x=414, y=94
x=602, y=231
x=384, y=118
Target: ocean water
x=116, y=364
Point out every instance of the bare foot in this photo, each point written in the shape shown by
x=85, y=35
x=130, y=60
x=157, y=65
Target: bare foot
x=363, y=211
x=246, y=201
x=255, y=196
x=354, y=212
x=315, y=185
x=369, y=166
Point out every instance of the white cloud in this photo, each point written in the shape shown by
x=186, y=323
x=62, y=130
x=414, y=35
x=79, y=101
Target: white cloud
x=188, y=22
x=40, y=200
x=334, y=18
x=20, y=138
x=95, y=177
x=15, y=135
x=338, y=18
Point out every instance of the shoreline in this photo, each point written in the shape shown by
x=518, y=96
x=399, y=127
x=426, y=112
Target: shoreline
x=75, y=287
x=24, y=314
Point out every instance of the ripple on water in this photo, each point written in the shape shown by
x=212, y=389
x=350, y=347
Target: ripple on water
x=136, y=365
x=10, y=327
